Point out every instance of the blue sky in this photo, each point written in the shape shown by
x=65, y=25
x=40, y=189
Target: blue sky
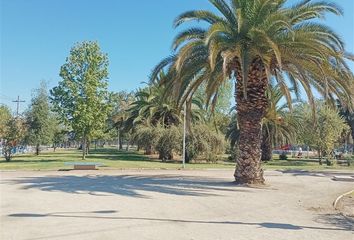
x=36, y=36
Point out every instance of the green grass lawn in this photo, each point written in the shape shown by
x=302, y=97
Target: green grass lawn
x=109, y=157
x=114, y=159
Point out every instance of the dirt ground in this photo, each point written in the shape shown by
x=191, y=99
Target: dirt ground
x=163, y=204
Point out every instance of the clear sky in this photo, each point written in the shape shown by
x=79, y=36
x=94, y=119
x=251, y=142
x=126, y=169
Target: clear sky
x=36, y=36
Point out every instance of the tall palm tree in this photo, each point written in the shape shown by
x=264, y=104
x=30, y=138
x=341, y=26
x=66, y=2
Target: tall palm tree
x=250, y=41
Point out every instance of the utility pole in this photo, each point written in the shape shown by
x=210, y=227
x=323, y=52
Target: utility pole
x=18, y=101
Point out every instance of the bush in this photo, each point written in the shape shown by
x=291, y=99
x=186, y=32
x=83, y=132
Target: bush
x=170, y=141
x=206, y=143
x=283, y=156
x=146, y=137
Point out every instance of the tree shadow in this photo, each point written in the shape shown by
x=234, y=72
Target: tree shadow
x=129, y=185
x=30, y=161
x=337, y=220
x=318, y=173
x=115, y=155
x=112, y=215
x=288, y=163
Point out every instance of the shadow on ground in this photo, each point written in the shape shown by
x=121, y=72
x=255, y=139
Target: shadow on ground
x=284, y=163
x=29, y=161
x=318, y=173
x=114, y=155
x=130, y=185
x=339, y=224
x=337, y=220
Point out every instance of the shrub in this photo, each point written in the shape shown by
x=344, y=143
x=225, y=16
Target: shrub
x=146, y=137
x=283, y=156
x=170, y=141
x=206, y=143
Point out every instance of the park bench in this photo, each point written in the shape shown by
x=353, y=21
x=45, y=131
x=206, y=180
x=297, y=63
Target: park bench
x=84, y=165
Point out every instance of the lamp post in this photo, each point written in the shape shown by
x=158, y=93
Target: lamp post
x=184, y=136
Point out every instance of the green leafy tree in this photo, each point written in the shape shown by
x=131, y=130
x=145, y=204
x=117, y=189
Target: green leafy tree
x=5, y=116
x=322, y=132
x=82, y=99
x=39, y=119
x=251, y=41
x=60, y=134
x=13, y=134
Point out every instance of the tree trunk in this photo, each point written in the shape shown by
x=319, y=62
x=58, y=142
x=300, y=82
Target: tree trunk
x=7, y=150
x=83, y=148
x=266, y=147
x=352, y=131
x=250, y=112
x=37, y=149
x=148, y=150
x=120, y=143
x=87, y=146
x=118, y=140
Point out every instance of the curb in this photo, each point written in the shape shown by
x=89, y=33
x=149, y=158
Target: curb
x=340, y=197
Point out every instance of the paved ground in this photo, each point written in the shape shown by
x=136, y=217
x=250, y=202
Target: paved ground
x=170, y=205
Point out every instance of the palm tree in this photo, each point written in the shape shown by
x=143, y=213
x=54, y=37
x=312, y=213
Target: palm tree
x=152, y=108
x=233, y=131
x=279, y=125
x=121, y=102
x=250, y=41
x=348, y=116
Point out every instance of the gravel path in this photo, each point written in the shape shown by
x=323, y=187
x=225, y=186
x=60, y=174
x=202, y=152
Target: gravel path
x=163, y=204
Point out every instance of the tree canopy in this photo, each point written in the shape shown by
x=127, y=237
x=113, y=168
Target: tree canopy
x=40, y=119
x=82, y=99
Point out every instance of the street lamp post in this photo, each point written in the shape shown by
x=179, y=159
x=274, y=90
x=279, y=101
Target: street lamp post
x=184, y=136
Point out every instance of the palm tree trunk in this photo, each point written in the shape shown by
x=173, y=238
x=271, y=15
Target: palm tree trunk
x=250, y=111
x=266, y=147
